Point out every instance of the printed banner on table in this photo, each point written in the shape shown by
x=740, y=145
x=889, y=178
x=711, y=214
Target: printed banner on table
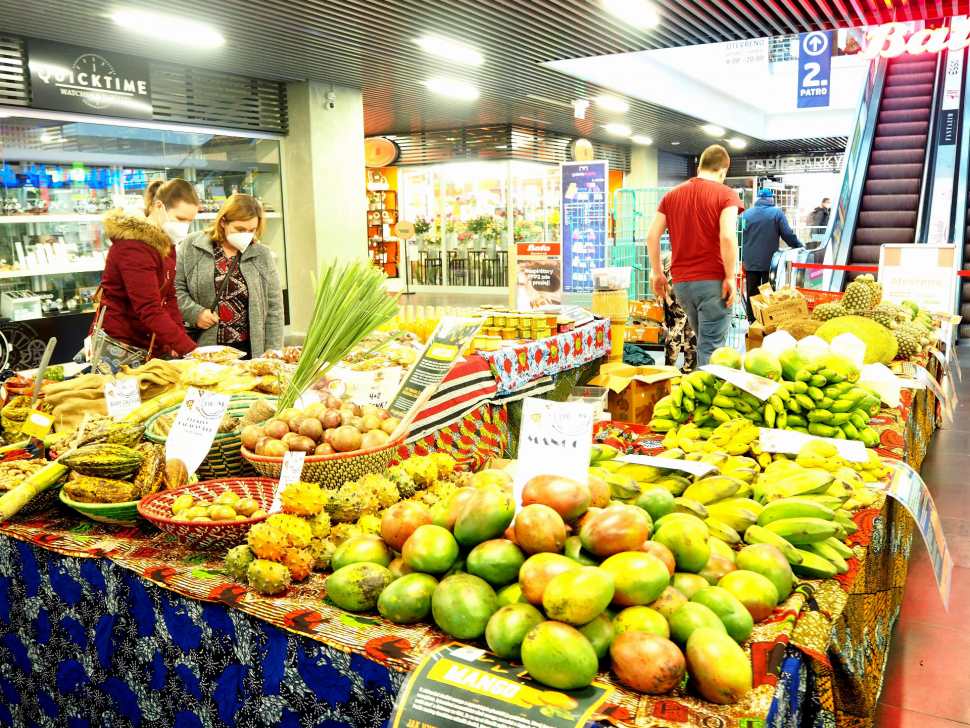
x=448, y=340
x=908, y=488
x=195, y=426
x=457, y=686
x=814, y=69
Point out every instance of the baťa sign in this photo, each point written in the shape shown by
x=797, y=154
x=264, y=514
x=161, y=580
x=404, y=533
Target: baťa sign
x=69, y=78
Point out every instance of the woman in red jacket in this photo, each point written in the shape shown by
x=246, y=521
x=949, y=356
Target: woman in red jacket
x=142, y=319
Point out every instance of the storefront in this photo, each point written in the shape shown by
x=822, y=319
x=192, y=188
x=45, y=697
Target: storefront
x=65, y=160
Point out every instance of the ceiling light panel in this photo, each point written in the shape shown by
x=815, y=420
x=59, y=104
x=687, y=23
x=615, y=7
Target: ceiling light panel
x=608, y=102
x=165, y=27
x=640, y=139
x=454, y=89
x=713, y=130
x=636, y=12
x=452, y=51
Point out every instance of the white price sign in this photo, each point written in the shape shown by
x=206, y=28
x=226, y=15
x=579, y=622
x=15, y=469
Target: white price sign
x=790, y=442
x=121, y=396
x=920, y=273
x=289, y=474
x=756, y=386
x=375, y=387
x=195, y=427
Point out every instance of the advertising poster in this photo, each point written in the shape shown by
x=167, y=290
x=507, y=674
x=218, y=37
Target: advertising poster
x=920, y=273
x=538, y=280
x=458, y=686
x=585, y=198
x=814, y=69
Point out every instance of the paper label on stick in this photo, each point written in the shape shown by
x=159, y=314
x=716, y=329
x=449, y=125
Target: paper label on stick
x=555, y=439
x=37, y=424
x=908, y=488
x=790, y=442
x=687, y=466
x=290, y=473
x=195, y=426
x=375, y=387
x=121, y=396
x=759, y=387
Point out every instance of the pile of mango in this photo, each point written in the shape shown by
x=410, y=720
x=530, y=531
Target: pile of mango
x=799, y=505
x=815, y=398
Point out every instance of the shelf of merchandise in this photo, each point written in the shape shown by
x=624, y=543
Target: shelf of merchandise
x=384, y=249
x=55, y=270
x=14, y=219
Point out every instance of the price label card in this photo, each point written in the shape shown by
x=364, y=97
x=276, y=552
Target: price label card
x=37, y=424
x=687, y=466
x=195, y=426
x=456, y=686
x=121, y=396
x=790, y=442
x=555, y=439
x=930, y=381
x=289, y=474
x=754, y=385
x=375, y=387
x=907, y=487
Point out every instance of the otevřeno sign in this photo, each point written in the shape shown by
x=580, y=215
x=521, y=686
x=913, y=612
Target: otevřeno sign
x=889, y=41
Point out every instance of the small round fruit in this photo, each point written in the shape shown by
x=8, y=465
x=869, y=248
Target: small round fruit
x=332, y=402
x=353, y=408
x=297, y=421
x=250, y=435
x=330, y=419
x=222, y=513
x=311, y=428
x=324, y=448
x=182, y=503
x=203, y=518
x=357, y=422
x=303, y=444
x=195, y=512
x=275, y=429
x=371, y=422
x=276, y=449
x=246, y=507
x=226, y=499
x=558, y=655
x=368, y=410
x=261, y=445
x=260, y=513
x=345, y=416
x=288, y=414
x=289, y=438
x=241, y=517
x=373, y=439
x=346, y=438
x=390, y=424
x=314, y=409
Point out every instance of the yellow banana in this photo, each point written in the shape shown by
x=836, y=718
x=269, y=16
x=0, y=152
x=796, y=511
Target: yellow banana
x=743, y=502
x=674, y=483
x=805, y=483
x=819, y=447
x=736, y=448
x=734, y=516
x=757, y=534
x=829, y=554
x=721, y=531
x=780, y=465
x=737, y=463
x=688, y=505
x=710, y=490
x=840, y=491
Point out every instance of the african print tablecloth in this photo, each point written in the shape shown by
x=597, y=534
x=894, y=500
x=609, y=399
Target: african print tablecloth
x=517, y=365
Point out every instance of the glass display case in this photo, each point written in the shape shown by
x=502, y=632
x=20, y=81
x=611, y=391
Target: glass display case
x=465, y=206
x=58, y=178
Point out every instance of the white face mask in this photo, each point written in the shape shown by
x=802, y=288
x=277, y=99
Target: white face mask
x=175, y=230
x=240, y=241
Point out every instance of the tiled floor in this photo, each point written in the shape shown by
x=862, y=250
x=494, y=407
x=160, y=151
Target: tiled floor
x=927, y=682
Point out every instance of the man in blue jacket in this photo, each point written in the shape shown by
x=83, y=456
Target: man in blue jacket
x=764, y=225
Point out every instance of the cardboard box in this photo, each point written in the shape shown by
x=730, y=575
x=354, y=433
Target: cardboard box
x=649, y=310
x=634, y=390
x=771, y=315
x=643, y=334
x=755, y=336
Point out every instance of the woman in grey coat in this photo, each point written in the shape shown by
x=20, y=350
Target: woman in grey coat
x=250, y=311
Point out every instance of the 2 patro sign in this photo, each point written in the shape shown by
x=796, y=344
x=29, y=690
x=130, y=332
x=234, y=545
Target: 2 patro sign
x=889, y=41
x=69, y=78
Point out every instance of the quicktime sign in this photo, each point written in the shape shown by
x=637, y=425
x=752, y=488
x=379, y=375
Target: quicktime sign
x=68, y=78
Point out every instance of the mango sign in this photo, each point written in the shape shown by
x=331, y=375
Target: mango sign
x=889, y=41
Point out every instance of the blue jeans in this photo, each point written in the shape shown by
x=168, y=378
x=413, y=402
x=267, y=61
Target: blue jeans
x=707, y=314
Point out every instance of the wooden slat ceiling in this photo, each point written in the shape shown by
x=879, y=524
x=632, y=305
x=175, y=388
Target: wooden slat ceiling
x=369, y=44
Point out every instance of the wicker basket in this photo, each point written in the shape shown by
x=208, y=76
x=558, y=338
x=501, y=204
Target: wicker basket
x=224, y=459
x=157, y=509
x=117, y=514
x=331, y=471
x=45, y=501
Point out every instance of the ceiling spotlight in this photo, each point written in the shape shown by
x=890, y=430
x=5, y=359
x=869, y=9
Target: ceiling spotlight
x=579, y=108
x=174, y=30
x=737, y=143
x=637, y=12
x=713, y=129
x=675, y=144
x=618, y=129
x=608, y=102
x=640, y=139
x=455, y=89
x=451, y=51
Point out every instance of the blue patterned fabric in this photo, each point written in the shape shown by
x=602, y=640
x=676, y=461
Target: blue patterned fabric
x=85, y=643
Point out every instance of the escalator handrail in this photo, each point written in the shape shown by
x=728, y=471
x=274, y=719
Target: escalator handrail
x=959, y=232
x=929, y=156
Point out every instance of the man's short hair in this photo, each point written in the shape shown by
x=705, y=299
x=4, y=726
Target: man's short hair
x=714, y=159
x=826, y=199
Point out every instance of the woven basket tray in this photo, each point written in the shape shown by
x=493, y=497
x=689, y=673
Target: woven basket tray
x=331, y=471
x=224, y=459
x=117, y=514
x=157, y=509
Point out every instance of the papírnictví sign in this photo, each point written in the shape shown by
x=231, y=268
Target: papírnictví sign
x=69, y=78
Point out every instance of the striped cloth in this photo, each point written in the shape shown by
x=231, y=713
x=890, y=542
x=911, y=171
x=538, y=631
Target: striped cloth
x=469, y=385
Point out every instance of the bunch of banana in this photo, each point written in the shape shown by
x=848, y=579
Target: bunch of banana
x=820, y=402
x=690, y=396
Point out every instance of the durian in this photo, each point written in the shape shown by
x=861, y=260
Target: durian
x=422, y=470
x=266, y=542
x=370, y=524
x=299, y=562
x=828, y=311
x=383, y=488
x=343, y=507
x=268, y=577
x=857, y=297
x=365, y=493
x=237, y=562
x=295, y=530
x=303, y=499
x=444, y=462
x=319, y=524
x=322, y=550
x=342, y=531
x=401, y=480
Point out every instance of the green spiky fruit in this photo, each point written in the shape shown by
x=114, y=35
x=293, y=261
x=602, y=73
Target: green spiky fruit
x=828, y=311
x=342, y=531
x=857, y=297
x=237, y=562
x=322, y=550
x=343, y=507
x=363, y=490
x=403, y=482
x=268, y=577
x=319, y=524
x=383, y=489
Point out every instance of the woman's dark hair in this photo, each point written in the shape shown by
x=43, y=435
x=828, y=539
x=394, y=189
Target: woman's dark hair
x=169, y=193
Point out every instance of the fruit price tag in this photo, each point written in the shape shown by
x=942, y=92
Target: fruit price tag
x=290, y=473
x=555, y=439
x=790, y=442
x=687, y=466
x=195, y=426
x=907, y=487
x=375, y=387
x=38, y=424
x=455, y=687
x=121, y=396
x=759, y=387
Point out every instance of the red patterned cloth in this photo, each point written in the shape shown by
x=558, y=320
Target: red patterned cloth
x=234, y=304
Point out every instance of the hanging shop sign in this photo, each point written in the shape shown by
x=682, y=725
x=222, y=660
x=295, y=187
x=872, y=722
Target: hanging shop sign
x=945, y=164
x=69, y=78
x=889, y=41
x=814, y=69
x=815, y=162
x=538, y=275
x=584, y=212
x=380, y=152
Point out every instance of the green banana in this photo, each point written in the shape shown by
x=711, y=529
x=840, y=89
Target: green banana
x=757, y=534
x=799, y=531
x=844, y=551
x=780, y=510
x=844, y=520
x=813, y=566
x=829, y=554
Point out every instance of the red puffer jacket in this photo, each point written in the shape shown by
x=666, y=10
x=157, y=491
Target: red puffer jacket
x=138, y=286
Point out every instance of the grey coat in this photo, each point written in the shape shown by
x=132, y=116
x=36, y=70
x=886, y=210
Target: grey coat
x=195, y=275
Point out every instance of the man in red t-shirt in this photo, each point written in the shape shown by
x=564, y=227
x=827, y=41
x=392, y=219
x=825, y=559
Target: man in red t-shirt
x=702, y=217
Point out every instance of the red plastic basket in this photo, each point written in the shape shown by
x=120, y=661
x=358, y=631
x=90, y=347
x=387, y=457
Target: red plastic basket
x=814, y=297
x=331, y=471
x=157, y=508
